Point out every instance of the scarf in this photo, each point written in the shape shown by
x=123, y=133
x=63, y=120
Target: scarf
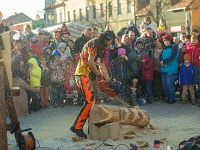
x=162, y=28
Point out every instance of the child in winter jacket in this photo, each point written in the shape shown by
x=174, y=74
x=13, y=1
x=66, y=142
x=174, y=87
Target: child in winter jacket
x=35, y=81
x=45, y=83
x=194, y=50
x=147, y=75
x=57, y=67
x=186, y=78
x=120, y=67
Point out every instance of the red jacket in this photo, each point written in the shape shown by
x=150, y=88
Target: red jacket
x=194, y=51
x=38, y=48
x=147, y=68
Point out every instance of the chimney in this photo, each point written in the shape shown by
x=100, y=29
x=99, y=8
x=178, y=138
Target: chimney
x=15, y=13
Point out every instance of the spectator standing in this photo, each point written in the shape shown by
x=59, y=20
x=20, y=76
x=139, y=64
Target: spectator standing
x=57, y=39
x=132, y=27
x=39, y=45
x=162, y=28
x=194, y=50
x=18, y=50
x=45, y=83
x=169, y=67
x=186, y=79
x=135, y=57
x=80, y=42
x=147, y=76
x=35, y=81
x=94, y=33
x=196, y=33
x=182, y=37
x=132, y=38
x=120, y=67
x=28, y=32
x=62, y=49
x=125, y=41
x=57, y=67
x=183, y=51
x=147, y=22
x=158, y=92
x=70, y=85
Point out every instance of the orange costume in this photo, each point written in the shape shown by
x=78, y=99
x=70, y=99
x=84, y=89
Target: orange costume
x=86, y=71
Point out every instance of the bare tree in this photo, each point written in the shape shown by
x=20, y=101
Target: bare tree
x=105, y=13
x=155, y=11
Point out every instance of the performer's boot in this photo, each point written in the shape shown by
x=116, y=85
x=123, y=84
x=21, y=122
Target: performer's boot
x=79, y=132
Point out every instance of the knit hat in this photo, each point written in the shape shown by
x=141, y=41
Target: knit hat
x=168, y=37
x=46, y=47
x=188, y=57
x=61, y=44
x=56, y=52
x=121, y=51
x=18, y=58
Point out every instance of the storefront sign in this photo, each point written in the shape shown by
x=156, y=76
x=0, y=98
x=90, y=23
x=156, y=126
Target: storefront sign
x=177, y=28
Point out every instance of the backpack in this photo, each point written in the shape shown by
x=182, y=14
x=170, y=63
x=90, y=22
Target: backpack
x=192, y=144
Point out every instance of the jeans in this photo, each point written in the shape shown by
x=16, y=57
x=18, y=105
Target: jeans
x=168, y=82
x=149, y=88
x=140, y=101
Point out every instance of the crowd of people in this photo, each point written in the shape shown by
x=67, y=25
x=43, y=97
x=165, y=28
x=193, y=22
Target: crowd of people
x=146, y=61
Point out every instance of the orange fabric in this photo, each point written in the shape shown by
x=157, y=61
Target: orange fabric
x=90, y=100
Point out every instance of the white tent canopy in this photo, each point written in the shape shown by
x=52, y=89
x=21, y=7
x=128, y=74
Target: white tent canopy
x=74, y=28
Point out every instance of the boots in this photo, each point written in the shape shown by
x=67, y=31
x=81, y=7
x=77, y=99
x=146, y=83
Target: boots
x=79, y=132
x=193, y=101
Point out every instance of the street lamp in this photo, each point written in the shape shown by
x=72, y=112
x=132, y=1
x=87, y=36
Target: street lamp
x=51, y=16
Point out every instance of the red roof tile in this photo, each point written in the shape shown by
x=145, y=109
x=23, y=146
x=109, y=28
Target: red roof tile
x=181, y=4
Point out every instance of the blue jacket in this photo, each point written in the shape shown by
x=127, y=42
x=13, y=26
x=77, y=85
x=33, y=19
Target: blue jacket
x=170, y=57
x=187, y=74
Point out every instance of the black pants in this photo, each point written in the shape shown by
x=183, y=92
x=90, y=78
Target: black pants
x=158, y=91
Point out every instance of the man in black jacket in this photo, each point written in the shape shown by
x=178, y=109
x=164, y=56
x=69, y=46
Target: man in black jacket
x=81, y=41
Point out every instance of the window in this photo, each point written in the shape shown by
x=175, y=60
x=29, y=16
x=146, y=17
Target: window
x=80, y=14
x=119, y=9
x=87, y=13
x=74, y=15
x=129, y=6
x=47, y=3
x=61, y=17
x=68, y=16
x=110, y=8
x=94, y=11
x=101, y=10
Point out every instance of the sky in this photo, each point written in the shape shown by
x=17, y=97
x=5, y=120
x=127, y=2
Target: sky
x=28, y=7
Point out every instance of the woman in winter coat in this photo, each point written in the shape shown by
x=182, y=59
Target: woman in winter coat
x=169, y=60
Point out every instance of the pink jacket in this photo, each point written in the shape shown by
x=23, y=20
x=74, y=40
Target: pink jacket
x=161, y=32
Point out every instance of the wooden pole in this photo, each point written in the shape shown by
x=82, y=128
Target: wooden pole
x=3, y=129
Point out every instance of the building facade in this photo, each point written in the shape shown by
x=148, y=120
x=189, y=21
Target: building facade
x=180, y=17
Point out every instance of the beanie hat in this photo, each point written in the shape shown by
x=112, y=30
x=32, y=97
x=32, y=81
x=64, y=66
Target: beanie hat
x=46, y=47
x=18, y=58
x=56, y=52
x=188, y=57
x=61, y=44
x=121, y=51
x=168, y=37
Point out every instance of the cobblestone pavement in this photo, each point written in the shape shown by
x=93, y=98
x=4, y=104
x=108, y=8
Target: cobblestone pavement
x=51, y=126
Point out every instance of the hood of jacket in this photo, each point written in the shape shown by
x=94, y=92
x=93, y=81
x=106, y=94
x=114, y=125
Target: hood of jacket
x=138, y=40
x=146, y=57
x=33, y=61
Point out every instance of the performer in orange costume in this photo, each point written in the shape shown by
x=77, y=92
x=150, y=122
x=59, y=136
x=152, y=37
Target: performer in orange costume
x=93, y=53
